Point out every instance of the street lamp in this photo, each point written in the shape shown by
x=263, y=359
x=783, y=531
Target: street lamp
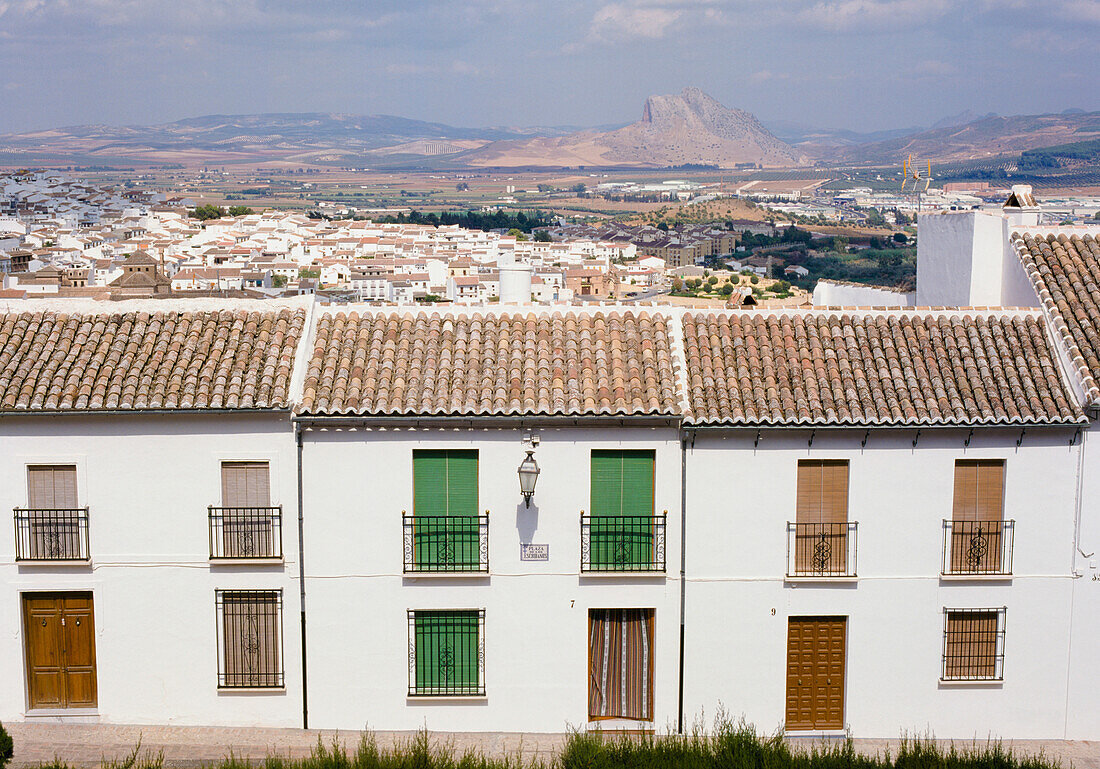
x=528, y=476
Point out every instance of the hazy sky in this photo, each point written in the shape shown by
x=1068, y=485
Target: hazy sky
x=861, y=64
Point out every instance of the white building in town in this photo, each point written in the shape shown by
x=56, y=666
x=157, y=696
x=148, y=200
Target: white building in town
x=279, y=513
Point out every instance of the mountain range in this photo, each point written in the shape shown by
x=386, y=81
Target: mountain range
x=689, y=128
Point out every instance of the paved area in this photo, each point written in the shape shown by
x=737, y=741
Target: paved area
x=90, y=745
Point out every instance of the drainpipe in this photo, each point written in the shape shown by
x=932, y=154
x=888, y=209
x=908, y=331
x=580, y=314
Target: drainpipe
x=683, y=581
x=302, y=577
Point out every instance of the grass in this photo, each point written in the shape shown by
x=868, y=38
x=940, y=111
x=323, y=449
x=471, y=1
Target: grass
x=727, y=746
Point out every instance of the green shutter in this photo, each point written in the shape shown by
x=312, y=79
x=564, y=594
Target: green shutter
x=445, y=484
x=429, y=483
x=622, y=488
x=607, y=483
x=447, y=652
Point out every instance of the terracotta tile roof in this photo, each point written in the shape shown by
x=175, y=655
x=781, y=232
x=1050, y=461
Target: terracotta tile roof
x=873, y=368
x=1065, y=271
x=56, y=361
x=485, y=363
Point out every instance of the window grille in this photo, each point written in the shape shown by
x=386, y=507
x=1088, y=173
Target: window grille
x=447, y=652
x=250, y=643
x=973, y=644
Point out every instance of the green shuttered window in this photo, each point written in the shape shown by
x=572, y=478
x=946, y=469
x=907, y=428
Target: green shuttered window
x=622, y=522
x=447, y=646
x=445, y=529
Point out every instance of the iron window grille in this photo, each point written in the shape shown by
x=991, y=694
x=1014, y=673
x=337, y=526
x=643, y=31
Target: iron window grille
x=821, y=549
x=246, y=532
x=978, y=547
x=973, y=644
x=446, y=543
x=613, y=543
x=446, y=652
x=250, y=639
x=51, y=534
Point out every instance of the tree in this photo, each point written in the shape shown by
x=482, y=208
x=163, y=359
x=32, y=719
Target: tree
x=579, y=188
x=712, y=280
x=754, y=279
x=240, y=211
x=517, y=234
x=462, y=187
x=307, y=273
x=726, y=289
x=677, y=285
x=875, y=218
x=545, y=188
x=901, y=237
x=662, y=226
x=541, y=236
x=202, y=213
x=278, y=281
x=840, y=245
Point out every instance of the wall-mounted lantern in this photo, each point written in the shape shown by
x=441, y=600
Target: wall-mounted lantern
x=528, y=476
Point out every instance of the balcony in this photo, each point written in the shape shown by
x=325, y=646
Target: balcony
x=51, y=534
x=246, y=533
x=435, y=544
x=623, y=543
x=978, y=548
x=821, y=550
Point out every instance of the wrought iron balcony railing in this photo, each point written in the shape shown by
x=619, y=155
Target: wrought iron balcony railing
x=821, y=549
x=246, y=532
x=622, y=543
x=446, y=543
x=51, y=534
x=978, y=547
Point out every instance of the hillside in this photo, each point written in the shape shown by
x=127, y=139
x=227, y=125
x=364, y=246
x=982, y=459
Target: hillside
x=689, y=127
x=301, y=138
x=986, y=137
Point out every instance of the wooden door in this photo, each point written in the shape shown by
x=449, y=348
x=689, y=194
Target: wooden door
x=59, y=633
x=815, y=672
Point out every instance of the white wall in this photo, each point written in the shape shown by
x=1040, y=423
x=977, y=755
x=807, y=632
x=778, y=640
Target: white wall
x=536, y=613
x=1083, y=711
x=147, y=481
x=830, y=294
x=899, y=496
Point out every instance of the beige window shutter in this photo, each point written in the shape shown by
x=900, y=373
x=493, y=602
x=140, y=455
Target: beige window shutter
x=979, y=490
x=822, y=491
x=51, y=487
x=246, y=484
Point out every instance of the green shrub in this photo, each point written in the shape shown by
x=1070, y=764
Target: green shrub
x=6, y=747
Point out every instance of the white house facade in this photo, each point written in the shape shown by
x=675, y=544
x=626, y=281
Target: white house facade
x=282, y=513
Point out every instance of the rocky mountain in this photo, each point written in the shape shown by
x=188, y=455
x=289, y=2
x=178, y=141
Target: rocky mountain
x=686, y=128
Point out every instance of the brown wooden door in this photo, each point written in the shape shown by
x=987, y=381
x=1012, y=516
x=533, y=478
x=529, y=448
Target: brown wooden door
x=815, y=672
x=59, y=632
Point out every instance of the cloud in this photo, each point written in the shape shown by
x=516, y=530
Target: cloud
x=456, y=67
x=625, y=21
x=839, y=15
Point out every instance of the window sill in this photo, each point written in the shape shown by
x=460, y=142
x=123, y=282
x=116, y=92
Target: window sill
x=70, y=562
x=251, y=690
x=446, y=574
x=625, y=573
x=979, y=577
x=977, y=683
x=821, y=578
x=444, y=698
x=247, y=561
